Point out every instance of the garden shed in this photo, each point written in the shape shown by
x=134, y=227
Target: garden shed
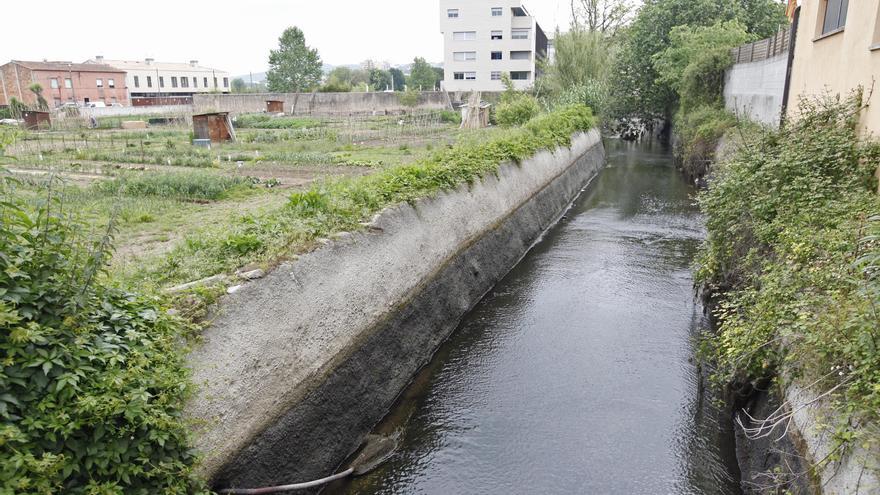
x=216, y=126
x=36, y=119
x=274, y=106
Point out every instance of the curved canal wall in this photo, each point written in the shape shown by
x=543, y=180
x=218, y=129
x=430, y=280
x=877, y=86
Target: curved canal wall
x=298, y=366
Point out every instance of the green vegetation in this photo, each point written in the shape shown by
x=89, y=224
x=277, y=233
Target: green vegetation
x=293, y=67
x=515, y=108
x=190, y=186
x=699, y=133
x=340, y=204
x=792, y=255
x=92, y=379
x=422, y=76
x=579, y=72
x=263, y=121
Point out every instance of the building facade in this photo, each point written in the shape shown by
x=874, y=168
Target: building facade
x=148, y=79
x=62, y=82
x=484, y=39
x=838, y=49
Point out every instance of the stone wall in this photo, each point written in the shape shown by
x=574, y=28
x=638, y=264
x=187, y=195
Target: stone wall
x=319, y=104
x=755, y=89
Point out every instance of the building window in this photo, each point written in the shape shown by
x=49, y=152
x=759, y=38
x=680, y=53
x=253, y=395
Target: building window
x=452, y=13
x=835, y=15
x=464, y=35
x=206, y=82
x=137, y=82
x=53, y=83
x=519, y=75
x=497, y=56
x=215, y=82
x=114, y=100
x=184, y=82
x=520, y=55
x=68, y=83
x=495, y=76
x=57, y=101
x=497, y=35
x=149, y=81
x=520, y=34
x=195, y=82
x=173, y=81
x=464, y=56
x=458, y=76
x=470, y=76
x=111, y=83
x=161, y=81
x=497, y=11
x=225, y=82
x=519, y=12
x=99, y=82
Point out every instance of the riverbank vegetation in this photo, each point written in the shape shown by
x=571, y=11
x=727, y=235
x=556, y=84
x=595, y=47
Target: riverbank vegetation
x=92, y=383
x=792, y=258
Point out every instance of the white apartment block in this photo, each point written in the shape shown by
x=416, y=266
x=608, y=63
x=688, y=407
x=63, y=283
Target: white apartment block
x=484, y=39
x=150, y=79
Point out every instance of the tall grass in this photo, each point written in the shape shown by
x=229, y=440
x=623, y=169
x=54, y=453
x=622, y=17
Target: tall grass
x=187, y=186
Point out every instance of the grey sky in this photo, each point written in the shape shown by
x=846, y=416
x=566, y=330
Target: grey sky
x=235, y=36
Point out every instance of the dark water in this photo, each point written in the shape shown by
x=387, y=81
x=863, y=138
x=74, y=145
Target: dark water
x=576, y=373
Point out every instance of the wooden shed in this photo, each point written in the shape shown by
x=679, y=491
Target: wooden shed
x=274, y=106
x=216, y=126
x=35, y=119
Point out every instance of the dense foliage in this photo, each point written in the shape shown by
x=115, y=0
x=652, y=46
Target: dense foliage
x=514, y=107
x=698, y=133
x=293, y=66
x=422, y=76
x=91, y=379
x=792, y=254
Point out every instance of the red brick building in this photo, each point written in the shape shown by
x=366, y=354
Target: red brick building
x=62, y=82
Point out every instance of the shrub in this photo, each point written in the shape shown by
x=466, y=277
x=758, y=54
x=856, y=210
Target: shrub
x=699, y=132
x=92, y=379
x=190, y=186
x=263, y=121
x=450, y=117
x=517, y=110
x=788, y=253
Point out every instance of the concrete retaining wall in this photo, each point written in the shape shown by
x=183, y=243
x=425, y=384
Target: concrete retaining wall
x=300, y=365
x=319, y=104
x=755, y=89
x=130, y=111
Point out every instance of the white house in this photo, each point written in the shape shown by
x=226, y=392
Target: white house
x=486, y=38
x=150, y=79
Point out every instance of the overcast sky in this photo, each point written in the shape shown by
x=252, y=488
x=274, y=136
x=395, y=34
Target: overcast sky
x=234, y=36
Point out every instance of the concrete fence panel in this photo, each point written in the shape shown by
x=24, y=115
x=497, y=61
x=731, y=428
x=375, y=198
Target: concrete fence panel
x=319, y=104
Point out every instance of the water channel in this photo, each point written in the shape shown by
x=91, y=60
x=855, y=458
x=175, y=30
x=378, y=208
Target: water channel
x=576, y=373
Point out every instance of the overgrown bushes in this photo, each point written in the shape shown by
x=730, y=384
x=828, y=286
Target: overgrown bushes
x=792, y=254
x=262, y=121
x=92, y=382
x=698, y=133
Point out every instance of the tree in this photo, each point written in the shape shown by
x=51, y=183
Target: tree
x=694, y=63
x=439, y=74
x=293, y=67
x=581, y=57
x=604, y=16
x=37, y=90
x=398, y=80
x=238, y=85
x=380, y=80
x=422, y=76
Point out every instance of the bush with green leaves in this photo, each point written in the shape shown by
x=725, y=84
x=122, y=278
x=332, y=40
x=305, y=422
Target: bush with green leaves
x=699, y=132
x=517, y=110
x=263, y=121
x=792, y=254
x=91, y=377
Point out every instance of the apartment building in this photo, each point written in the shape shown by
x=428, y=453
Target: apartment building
x=837, y=50
x=484, y=39
x=62, y=82
x=146, y=79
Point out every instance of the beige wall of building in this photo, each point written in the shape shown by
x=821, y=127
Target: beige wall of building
x=845, y=56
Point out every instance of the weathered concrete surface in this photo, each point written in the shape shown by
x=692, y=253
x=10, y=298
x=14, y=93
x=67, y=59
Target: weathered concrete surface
x=301, y=364
x=755, y=89
x=319, y=104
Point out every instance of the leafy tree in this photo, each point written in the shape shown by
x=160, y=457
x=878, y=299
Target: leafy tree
x=16, y=107
x=293, y=67
x=238, y=85
x=397, y=78
x=581, y=57
x=603, y=16
x=694, y=63
x=440, y=74
x=422, y=77
x=380, y=79
x=37, y=90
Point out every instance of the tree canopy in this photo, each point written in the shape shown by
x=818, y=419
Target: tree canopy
x=422, y=75
x=293, y=67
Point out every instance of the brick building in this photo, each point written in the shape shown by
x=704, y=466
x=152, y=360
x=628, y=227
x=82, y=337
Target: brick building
x=62, y=82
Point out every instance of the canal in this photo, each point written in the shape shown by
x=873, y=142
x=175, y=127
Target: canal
x=577, y=372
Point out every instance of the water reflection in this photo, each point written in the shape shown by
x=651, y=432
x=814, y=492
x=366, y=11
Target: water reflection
x=575, y=374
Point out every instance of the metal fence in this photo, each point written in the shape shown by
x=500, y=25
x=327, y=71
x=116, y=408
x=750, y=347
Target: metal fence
x=763, y=49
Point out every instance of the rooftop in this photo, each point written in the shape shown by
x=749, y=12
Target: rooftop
x=151, y=64
x=65, y=66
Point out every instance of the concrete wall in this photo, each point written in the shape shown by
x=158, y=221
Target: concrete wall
x=319, y=104
x=839, y=62
x=755, y=89
x=300, y=365
x=133, y=111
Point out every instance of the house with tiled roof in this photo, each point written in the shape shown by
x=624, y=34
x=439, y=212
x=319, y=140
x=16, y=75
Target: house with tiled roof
x=62, y=82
